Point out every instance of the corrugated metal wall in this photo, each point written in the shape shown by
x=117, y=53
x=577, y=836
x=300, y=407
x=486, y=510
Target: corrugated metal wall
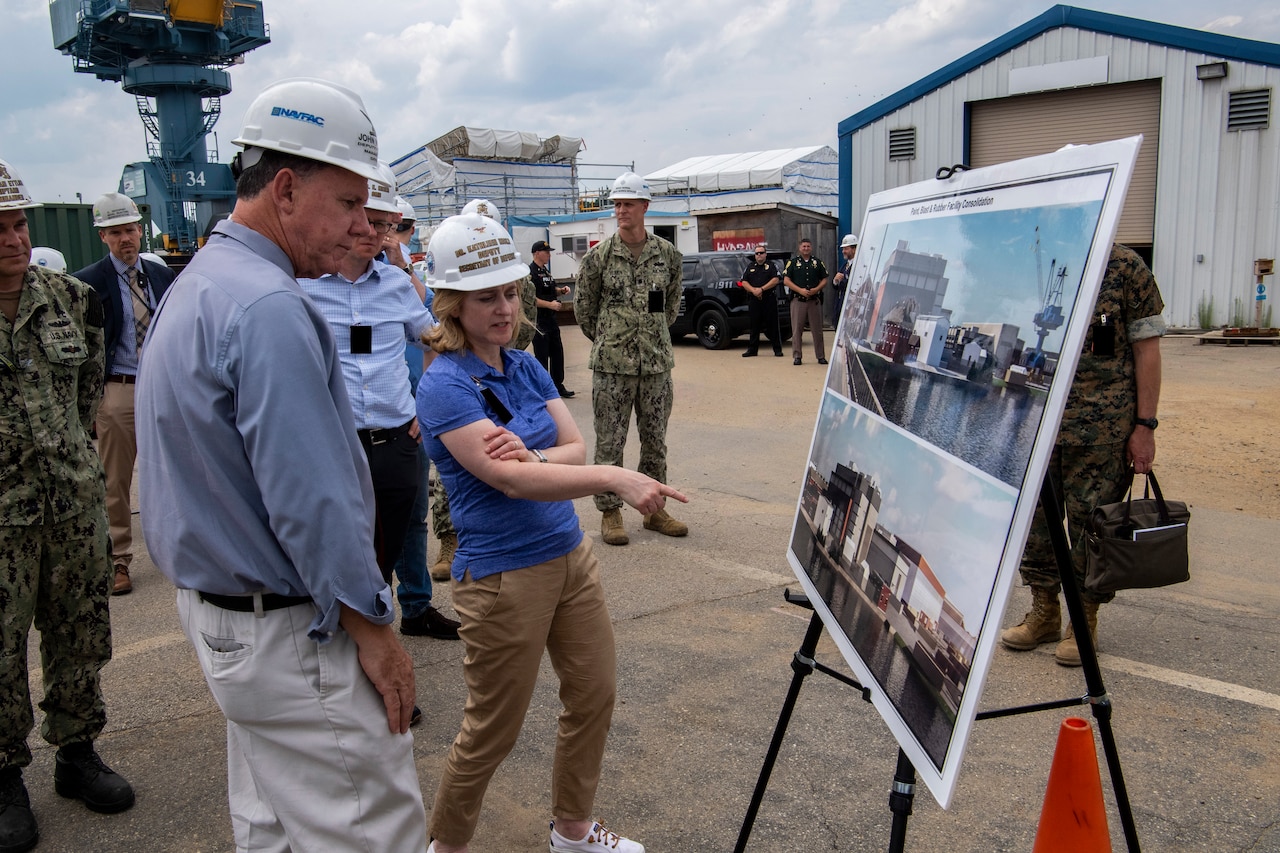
x=1217, y=192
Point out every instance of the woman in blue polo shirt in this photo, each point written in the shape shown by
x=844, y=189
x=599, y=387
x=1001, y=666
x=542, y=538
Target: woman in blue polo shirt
x=525, y=578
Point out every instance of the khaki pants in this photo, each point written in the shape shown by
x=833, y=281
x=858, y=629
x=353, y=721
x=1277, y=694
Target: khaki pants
x=508, y=619
x=810, y=312
x=118, y=449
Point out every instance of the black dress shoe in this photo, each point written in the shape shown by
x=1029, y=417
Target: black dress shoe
x=822, y=361
x=79, y=774
x=18, y=830
x=796, y=361
x=777, y=353
x=430, y=623
x=565, y=392
x=749, y=354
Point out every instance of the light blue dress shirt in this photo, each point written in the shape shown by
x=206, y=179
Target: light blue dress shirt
x=382, y=298
x=125, y=359
x=251, y=476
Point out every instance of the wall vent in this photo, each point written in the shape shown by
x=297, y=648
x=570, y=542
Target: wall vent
x=902, y=144
x=1249, y=110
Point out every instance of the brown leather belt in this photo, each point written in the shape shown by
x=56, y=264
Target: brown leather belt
x=122, y=378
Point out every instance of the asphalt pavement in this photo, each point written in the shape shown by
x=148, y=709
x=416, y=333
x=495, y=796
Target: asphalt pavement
x=705, y=644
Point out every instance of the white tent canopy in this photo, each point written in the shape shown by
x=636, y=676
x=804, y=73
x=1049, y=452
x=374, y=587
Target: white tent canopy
x=805, y=177
x=788, y=168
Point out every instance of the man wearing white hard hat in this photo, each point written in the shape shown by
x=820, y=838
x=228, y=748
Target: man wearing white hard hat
x=374, y=311
x=257, y=501
x=628, y=295
x=53, y=526
x=525, y=580
x=130, y=288
x=840, y=282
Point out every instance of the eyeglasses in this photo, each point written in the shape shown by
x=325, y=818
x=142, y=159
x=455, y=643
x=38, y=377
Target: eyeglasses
x=760, y=251
x=381, y=227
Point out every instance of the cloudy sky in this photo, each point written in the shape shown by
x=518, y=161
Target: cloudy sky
x=648, y=83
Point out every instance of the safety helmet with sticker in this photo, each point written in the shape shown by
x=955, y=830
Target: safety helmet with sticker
x=382, y=191
x=630, y=185
x=114, y=209
x=484, y=207
x=43, y=256
x=471, y=252
x=314, y=119
x=13, y=192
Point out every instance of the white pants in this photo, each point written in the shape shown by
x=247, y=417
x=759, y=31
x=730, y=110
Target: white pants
x=311, y=765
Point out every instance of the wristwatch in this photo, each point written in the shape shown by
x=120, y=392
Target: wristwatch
x=1149, y=423
x=542, y=457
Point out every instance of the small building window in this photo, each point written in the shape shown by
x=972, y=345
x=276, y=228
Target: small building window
x=1249, y=110
x=902, y=144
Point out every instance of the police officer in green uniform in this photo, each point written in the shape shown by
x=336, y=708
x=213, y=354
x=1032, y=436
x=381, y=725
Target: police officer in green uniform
x=1109, y=424
x=627, y=296
x=805, y=276
x=53, y=526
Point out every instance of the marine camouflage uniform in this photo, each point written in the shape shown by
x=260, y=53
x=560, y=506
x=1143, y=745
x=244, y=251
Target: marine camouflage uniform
x=631, y=356
x=53, y=518
x=1088, y=466
x=529, y=305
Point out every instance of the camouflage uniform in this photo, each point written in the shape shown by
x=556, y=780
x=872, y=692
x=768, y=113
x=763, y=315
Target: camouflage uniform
x=529, y=304
x=1089, y=463
x=631, y=355
x=53, y=520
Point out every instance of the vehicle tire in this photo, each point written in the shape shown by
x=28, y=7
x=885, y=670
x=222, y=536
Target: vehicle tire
x=712, y=328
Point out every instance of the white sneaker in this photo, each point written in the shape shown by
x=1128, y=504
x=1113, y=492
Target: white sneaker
x=598, y=840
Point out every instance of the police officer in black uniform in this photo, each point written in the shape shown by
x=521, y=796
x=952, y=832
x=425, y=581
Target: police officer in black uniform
x=760, y=280
x=547, y=346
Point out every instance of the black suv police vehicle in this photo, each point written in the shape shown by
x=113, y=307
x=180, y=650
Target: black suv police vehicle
x=713, y=306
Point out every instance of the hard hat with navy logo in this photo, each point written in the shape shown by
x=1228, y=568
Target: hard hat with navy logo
x=630, y=185
x=314, y=119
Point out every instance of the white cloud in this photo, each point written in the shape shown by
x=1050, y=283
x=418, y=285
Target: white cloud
x=643, y=82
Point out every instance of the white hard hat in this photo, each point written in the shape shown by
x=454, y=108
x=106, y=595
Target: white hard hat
x=43, y=256
x=407, y=213
x=849, y=240
x=484, y=207
x=630, y=185
x=154, y=258
x=382, y=191
x=13, y=192
x=314, y=119
x=114, y=209
x=472, y=252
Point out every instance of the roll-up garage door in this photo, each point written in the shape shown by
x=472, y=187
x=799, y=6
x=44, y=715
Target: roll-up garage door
x=1024, y=125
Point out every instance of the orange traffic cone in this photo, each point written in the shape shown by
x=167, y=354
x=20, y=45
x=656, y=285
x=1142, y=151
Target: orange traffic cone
x=1073, y=819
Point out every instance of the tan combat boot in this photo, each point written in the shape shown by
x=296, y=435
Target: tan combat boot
x=1042, y=625
x=1067, y=653
x=665, y=524
x=442, y=568
x=611, y=527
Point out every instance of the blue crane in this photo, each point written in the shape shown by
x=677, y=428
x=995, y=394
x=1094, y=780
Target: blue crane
x=172, y=56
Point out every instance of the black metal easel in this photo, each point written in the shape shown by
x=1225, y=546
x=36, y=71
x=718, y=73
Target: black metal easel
x=902, y=793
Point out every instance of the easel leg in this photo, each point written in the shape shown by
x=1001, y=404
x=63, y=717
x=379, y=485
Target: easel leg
x=900, y=799
x=1098, y=699
x=802, y=665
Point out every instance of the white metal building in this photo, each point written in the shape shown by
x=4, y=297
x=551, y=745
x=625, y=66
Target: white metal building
x=1203, y=205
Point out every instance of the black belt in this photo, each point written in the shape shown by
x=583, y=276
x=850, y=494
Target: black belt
x=245, y=603
x=375, y=437
x=122, y=378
